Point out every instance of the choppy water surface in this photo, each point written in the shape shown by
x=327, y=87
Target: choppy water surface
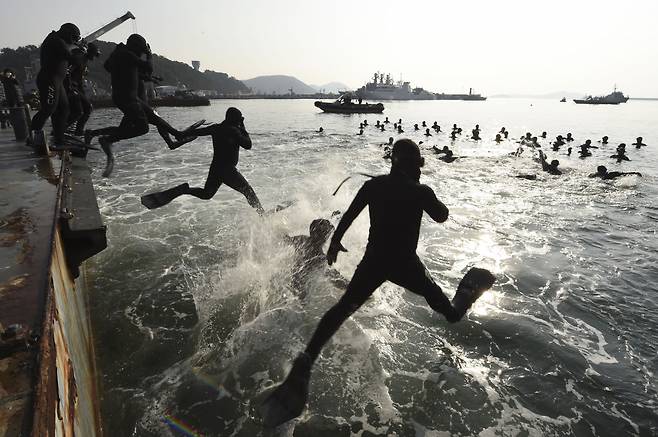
x=195, y=314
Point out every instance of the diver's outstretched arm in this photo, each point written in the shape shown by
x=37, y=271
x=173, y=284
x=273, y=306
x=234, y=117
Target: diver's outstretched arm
x=434, y=207
x=360, y=201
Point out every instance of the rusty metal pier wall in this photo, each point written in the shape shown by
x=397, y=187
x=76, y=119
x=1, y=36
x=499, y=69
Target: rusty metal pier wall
x=49, y=225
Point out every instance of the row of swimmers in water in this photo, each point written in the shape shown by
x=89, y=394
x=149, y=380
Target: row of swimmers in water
x=448, y=156
x=525, y=140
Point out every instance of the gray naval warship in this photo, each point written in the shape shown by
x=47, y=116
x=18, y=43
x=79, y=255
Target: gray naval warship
x=614, y=98
x=382, y=87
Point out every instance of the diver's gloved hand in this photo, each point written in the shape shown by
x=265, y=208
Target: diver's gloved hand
x=332, y=253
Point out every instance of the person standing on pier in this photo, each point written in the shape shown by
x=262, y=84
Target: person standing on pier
x=78, y=101
x=127, y=69
x=56, y=56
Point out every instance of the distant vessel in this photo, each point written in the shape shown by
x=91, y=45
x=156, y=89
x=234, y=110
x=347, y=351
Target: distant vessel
x=614, y=98
x=383, y=88
x=469, y=96
x=344, y=105
x=563, y=99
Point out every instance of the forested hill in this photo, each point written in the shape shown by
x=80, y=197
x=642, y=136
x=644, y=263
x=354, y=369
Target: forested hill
x=172, y=72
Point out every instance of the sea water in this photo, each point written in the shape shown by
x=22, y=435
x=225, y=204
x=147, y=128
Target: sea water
x=195, y=315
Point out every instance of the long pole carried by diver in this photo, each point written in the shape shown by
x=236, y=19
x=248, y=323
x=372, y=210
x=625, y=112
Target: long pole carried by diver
x=93, y=36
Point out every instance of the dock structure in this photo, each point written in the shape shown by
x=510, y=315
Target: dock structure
x=49, y=225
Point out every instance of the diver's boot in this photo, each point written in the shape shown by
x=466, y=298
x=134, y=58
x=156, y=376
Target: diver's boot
x=106, y=145
x=39, y=142
x=289, y=399
x=475, y=282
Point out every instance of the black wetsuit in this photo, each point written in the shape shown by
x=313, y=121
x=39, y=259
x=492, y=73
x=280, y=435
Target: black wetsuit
x=78, y=101
x=227, y=140
x=310, y=260
x=396, y=203
x=55, y=58
x=12, y=89
x=128, y=92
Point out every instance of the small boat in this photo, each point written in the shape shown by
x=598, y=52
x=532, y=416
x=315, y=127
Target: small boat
x=344, y=105
x=614, y=98
x=563, y=99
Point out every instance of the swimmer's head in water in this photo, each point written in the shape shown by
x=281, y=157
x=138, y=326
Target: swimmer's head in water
x=233, y=115
x=69, y=33
x=320, y=230
x=601, y=169
x=137, y=43
x=555, y=163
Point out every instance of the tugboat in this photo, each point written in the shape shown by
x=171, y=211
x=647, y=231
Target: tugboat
x=614, y=98
x=344, y=105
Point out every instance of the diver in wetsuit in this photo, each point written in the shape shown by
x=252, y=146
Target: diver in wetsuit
x=227, y=138
x=79, y=103
x=621, y=154
x=396, y=203
x=55, y=55
x=311, y=259
x=128, y=70
x=638, y=143
x=549, y=168
x=603, y=173
x=475, y=133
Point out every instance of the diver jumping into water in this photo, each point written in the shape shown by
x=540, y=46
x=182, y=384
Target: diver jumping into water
x=127, y=70
x=310, y=258
x=227, y=138
x=396, y=203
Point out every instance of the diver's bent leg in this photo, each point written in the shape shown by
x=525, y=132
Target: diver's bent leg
x=60, y=116
x=367, y=278
x=234, y=179
x=213, y=182
x=48, y=96
x=75, y=110
x=86, y=107
x=133, y=124
x=412, y=275
x=157, y=121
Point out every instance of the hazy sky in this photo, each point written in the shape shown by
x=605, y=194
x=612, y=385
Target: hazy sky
x=503, y=46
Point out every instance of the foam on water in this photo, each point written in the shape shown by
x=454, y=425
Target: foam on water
x=196, y=315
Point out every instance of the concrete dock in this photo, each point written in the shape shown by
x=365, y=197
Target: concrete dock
x=49, y=225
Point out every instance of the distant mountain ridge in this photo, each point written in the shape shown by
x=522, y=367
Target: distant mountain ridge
x=278, y=84
x=331, y=87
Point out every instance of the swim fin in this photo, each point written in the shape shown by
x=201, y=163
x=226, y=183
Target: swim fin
x=186, y=138
x=281, y=206
x=288, y=400
x=173, y=145
x=161, y=198
x=475, y=282
x=194, y=125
